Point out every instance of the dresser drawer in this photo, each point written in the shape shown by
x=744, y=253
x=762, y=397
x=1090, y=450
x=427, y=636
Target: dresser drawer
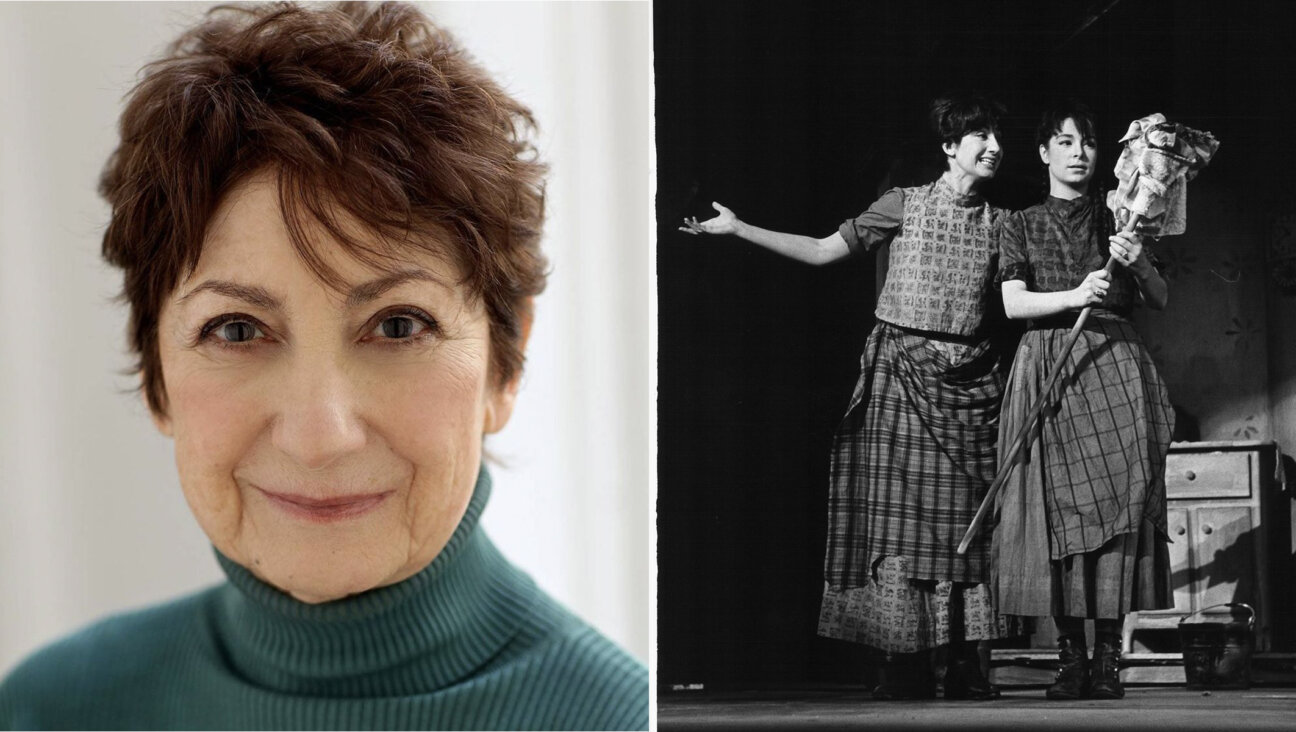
x=1208, y=475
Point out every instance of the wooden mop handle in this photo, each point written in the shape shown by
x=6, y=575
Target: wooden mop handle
x=1006, y=459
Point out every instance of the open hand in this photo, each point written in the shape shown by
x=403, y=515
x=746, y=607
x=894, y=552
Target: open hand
x=724, y=223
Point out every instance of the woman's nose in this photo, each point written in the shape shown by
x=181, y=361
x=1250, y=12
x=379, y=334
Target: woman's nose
x=317, y=421
x=992, y=143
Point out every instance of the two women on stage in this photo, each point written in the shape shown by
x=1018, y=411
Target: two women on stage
x=1082, y=522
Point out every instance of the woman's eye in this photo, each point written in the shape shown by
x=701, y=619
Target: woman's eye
x=402, y=327
x=237, y=332
x=230, y=330
x=399, y=327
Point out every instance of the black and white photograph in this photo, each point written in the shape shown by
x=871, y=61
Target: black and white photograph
x=976, y=384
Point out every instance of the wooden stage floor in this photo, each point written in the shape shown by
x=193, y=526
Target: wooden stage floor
x=1144, y=708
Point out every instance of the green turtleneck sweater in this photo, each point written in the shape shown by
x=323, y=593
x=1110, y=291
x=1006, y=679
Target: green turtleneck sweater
x=468, y=643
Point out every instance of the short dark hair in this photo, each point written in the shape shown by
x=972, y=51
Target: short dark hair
x=368, y=110
x=1058, y=113
x=953, y=116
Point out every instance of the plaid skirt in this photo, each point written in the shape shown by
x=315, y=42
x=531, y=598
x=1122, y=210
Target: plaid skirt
x=1081, y=524
x=896, y=614
x=912, y=459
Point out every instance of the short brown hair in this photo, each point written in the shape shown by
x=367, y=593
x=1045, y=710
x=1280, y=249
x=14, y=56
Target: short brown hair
x=369, y=109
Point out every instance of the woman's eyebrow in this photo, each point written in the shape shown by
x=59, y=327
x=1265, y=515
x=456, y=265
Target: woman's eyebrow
x=258, y=296
x=358, y=295
x=363, y=293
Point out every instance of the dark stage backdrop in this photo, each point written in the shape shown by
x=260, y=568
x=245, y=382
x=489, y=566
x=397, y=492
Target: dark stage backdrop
x=797, y=116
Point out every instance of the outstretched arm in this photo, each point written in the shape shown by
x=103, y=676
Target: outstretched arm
x=801, y=248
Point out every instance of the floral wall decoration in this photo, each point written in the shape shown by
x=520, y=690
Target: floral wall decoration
x=1212, y=341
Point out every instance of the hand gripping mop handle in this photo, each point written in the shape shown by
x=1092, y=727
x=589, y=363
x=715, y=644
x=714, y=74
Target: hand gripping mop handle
x=1006, y=458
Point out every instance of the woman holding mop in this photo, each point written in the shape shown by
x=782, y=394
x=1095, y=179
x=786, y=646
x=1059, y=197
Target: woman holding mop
x=1081, y=530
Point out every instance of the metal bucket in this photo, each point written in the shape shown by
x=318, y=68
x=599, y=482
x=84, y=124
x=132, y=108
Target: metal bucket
x=1217, y=651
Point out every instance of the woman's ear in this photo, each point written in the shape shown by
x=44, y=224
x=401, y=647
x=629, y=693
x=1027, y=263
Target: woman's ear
x=1043, y=152
x=499, y=403
x=950, y=148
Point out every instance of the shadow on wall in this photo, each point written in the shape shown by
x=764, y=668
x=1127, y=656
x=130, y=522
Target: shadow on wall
x=1228, y=571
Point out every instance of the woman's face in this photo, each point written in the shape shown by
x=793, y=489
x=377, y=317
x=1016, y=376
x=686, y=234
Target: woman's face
x=329, y=442
x=1070, y=156
x=977, y=155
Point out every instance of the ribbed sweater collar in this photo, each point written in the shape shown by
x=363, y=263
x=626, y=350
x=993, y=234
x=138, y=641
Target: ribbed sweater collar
x=417, y=636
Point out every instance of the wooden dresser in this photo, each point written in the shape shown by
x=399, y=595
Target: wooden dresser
x=1230, y=520
x=1230, y=526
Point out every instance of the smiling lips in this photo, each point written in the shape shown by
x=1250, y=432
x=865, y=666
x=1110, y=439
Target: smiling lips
x=326, y=510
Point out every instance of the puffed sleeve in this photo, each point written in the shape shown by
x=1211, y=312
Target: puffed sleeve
x=876, y=225
x=1014, y=264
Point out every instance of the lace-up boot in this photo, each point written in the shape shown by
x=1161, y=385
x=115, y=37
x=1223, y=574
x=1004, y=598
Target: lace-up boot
x=905, y=676
x=1104, y=670
x=963, y=676
x=1073, y=672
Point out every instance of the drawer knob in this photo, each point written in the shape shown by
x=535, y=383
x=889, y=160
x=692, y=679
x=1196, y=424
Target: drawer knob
x=1180, y=530
x=1207, y=530
x=1190, y=475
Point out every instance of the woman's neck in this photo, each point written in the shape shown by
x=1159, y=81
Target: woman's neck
x=962, y=183
x=429, y=632
x=1067, y=191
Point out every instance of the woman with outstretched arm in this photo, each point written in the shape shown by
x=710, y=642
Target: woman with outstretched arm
x=914, y=454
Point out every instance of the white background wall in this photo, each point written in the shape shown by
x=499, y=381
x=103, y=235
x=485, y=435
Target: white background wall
x=91, y=516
